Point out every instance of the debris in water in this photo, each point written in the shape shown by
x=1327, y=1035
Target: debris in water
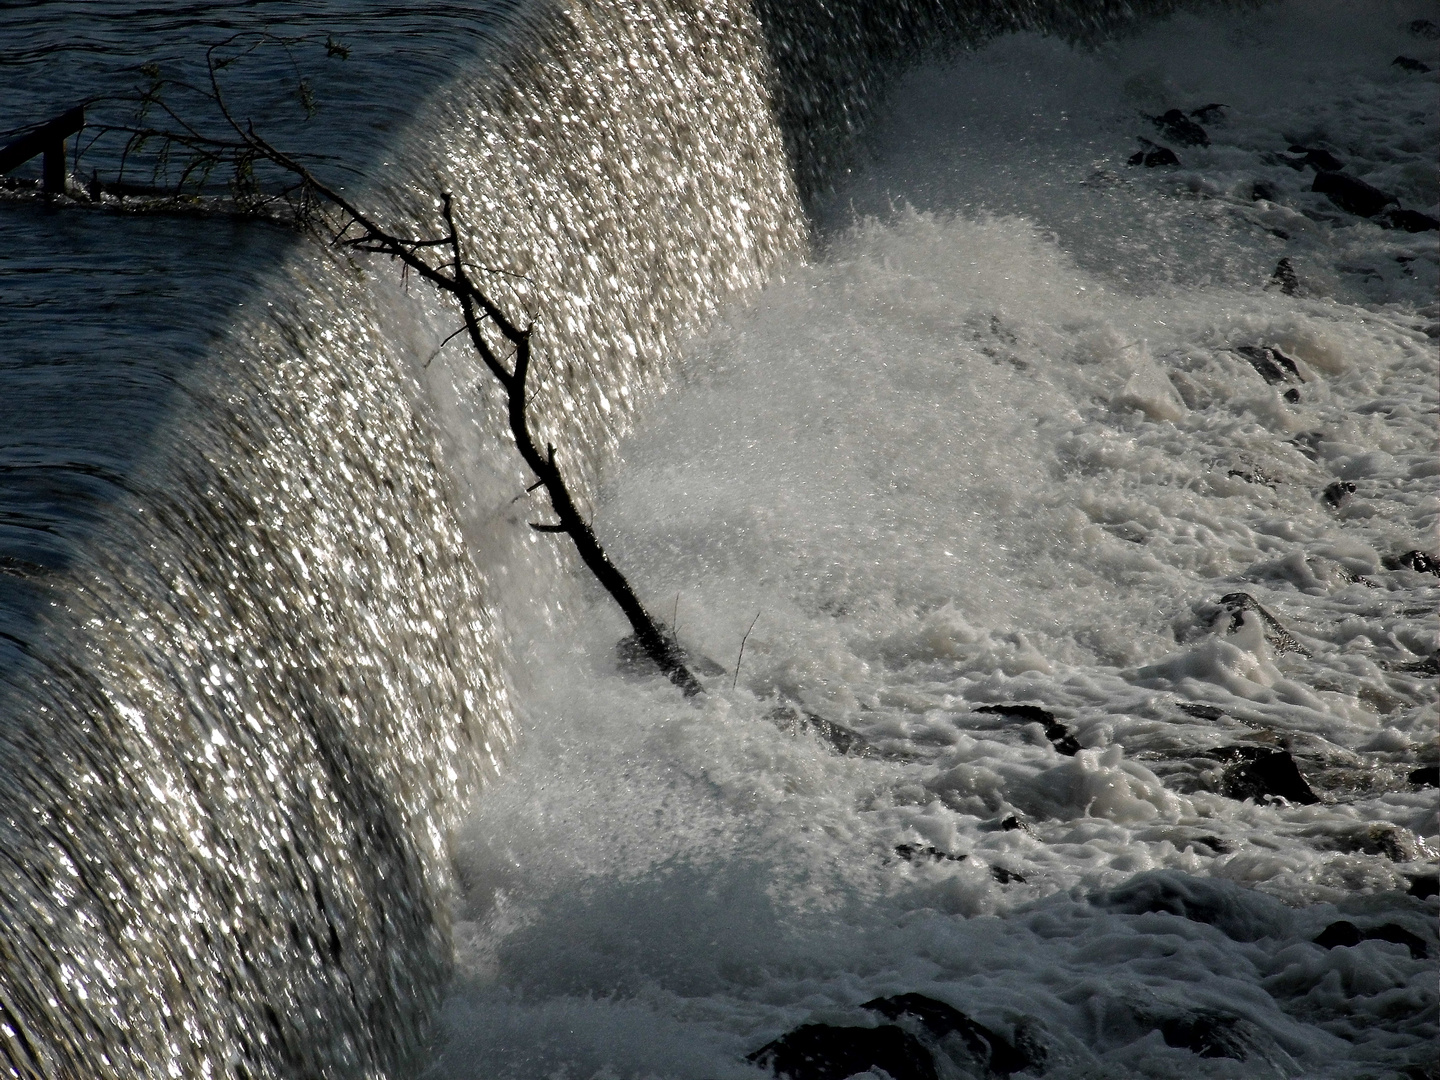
x=1285, y=277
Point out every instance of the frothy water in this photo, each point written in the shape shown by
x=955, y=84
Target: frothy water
x=1000, y=445
x=259, y=531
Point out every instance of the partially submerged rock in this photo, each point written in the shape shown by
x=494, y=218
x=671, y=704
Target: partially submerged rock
x=1351, y=194
x=1181, y=129
x=1059, y=735
x=1236, y=604
x=829, y=1052
x=1344, y=934
x=1262, y=773
x=990, y=1049
x=1272, y=365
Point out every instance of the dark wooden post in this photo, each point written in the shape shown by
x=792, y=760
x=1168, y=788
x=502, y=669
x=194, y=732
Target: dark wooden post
x=48, y=139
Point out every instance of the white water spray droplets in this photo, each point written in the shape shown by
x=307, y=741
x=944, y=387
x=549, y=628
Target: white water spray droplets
x=977, y=458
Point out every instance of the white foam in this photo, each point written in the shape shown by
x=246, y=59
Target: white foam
x=978, y=456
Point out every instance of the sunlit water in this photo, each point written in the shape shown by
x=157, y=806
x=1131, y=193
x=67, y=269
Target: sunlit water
x=995, y=445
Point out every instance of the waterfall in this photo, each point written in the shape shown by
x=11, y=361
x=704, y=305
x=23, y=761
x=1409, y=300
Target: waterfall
x=238, y=718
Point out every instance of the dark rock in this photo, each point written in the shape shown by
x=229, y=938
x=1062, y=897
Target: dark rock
x=1409, y=63
x=1337, y=935
x=1206, y=1034
x=1272, y=364
x=912, y=852
x=1152, y=156
x=1179, y=127
x=940, y=1020
x=1284, y=277
x=1292, y=396
x=1429, y=666
x=1317, y=159
x=1424, y=887
x=1010, y=823
x=1208, y=114
x=1005, y=877
x=827, y=1052
x=1279, y=639
x=1261, y=190
x=1336, y=493
x=1416, y=560
x=1351, y=194
x=1411, y=221
x=1425, y=776
x=1058, y=734
x=1262, y=773
x=843, y=740
x=1199, y=711
x=1424, y=28
x=1398, y=935
x=1345, y=934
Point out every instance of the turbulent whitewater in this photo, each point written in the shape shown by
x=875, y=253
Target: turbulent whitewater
x=270, y=612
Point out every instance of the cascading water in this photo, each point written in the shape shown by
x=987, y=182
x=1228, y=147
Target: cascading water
x=251, y=663
x=263, y=574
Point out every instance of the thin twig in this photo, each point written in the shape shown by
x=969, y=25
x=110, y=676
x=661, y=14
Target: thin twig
x=736, y=681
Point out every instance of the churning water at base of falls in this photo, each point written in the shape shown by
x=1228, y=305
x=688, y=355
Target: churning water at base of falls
x=998, y=446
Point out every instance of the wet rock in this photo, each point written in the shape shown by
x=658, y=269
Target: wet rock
x=1284, y=278
x=1424, y=28
x=1181, y=129
x=918, y=852
x=1344, y=934
x=1425, y=776
x=989, y=1048
x=1318, y=159
x=843, y=740
x=1409, y=63
x=1012, y=823
x=1262, y=773
x=1005, y=877
x=1416, y=560
x=1278, y=638
x=1337, y=493
x=828, y=1052
x=1424, y=886
x=1429, y=666
x=1292, y=396
x=1272, y=365
x=1058, y=734
x=1152, y=155
x=1208, y=114
x=1200, y=711
x=1411, y=221
x=1208, y=1035
x=1351, y=194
